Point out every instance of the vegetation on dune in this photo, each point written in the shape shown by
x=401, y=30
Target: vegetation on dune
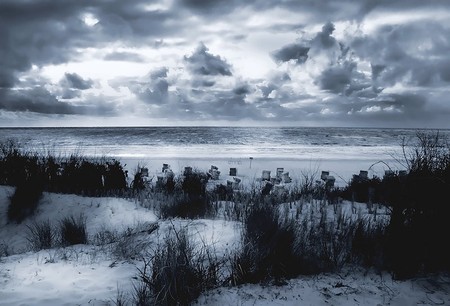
x=64, y=174
x=187, y=198
x=25, y=199
x=41, y=235
x=73, y=230
x=177, y=273
x=417, y=233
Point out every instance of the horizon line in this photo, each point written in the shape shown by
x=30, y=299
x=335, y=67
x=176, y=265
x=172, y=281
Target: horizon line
x=223, y=126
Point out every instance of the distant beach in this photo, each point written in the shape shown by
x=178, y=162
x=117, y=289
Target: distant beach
x=342, y=170
x=342, y=151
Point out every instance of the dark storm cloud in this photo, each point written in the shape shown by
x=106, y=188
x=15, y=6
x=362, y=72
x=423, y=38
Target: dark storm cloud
x=37, y=100
x=324, y=37
x=36, y=32
x=317, y=11
x=444, y=71
x=40, y=101
x=402, y=54
x=384, y=108
x=398, y=5
x=296, y=52
x=346, y=9
x=299, y=52
x=241, y=89
x=286, y=27
x=406, y=53
x=209, y=6
x=124, y=56
x=337, y=78
x=153, y=89
x=68, y=93
x=411, y=104
x=75, y=81
x=201, y=101
x=202, y=83
x=156, y=93
x=376, y=70
x=394, y=110
x=44, y=32
x=226, y=105
x=7, y=79
x=204, y=63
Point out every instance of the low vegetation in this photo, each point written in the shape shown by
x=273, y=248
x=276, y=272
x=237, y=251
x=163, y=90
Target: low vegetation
x=25, y=200
x=185, y=197
x=177, y=272
x=41, y=235
x=73, y=230
x=63, y=174
x=276, y=246
x=420, y=209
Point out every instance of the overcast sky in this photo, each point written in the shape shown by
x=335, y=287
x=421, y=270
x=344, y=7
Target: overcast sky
x=381, y=63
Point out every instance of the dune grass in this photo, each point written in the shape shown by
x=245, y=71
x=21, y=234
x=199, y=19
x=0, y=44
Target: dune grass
x=61, y=174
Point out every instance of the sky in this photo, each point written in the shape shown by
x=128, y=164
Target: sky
x=368, y=63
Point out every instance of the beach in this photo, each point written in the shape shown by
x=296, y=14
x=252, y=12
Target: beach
x=250, y=170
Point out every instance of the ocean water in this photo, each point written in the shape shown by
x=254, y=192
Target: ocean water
x=296, y=143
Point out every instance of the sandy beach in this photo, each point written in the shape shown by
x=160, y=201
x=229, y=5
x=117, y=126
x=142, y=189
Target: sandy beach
x=249, y=170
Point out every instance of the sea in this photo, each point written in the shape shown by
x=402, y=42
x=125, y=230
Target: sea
x=221, y=142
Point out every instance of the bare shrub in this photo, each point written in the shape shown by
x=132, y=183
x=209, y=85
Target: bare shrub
x=267, y=247
x=105, y=237
x=128, y=246
x=177, y=272
x=25, y=200
x=72, y=174
x=121, y=298
x=190, y=200
x=4, y=249
x=41, y=235
x=73, y=230
x=420, y=209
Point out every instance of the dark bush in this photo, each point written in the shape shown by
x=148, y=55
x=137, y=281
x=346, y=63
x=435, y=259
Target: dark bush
x=40, y=235
x=363, y=190
x=189, y=201
x=368, y=243
x=138, y=183
x=115, y=176
x=267, y=247
x=179, y=272
x=73, y=231
x=4, y=249
x=73, y=174
x=25, y=200
x=222, y=193
x=13, y=164
x=420, y=208
x=276, y=246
